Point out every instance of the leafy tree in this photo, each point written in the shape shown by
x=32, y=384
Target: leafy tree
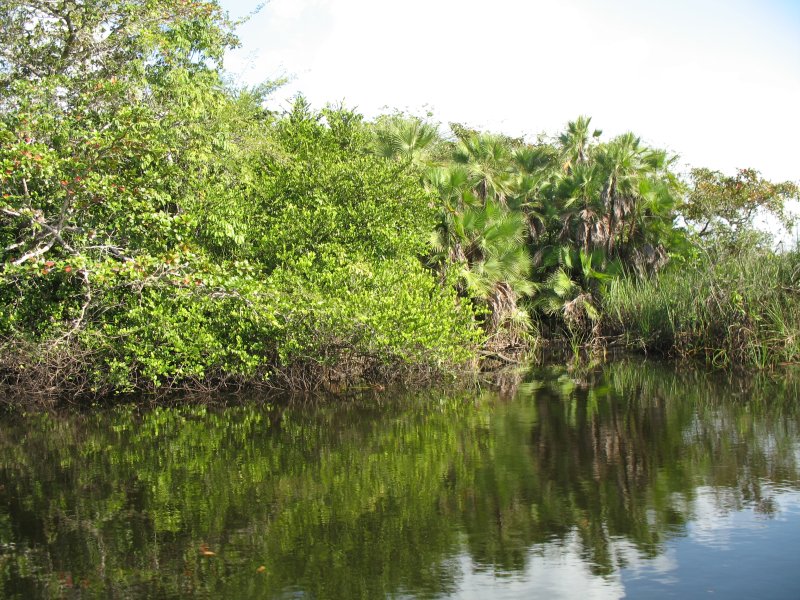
x=158, y=228
x=97, y=99
x=334, y=198
x=724, y=206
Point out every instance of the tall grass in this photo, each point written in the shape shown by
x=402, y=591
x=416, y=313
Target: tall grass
x=724, y=309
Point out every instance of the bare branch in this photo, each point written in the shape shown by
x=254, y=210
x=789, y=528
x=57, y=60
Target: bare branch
x=115, y=251
x=35, y=253
x=78, y=323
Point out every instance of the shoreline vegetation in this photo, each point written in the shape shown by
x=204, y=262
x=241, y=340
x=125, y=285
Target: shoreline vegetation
x=160, y=229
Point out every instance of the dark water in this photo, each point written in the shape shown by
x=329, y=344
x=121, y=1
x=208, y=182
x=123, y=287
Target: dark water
x=625, y=480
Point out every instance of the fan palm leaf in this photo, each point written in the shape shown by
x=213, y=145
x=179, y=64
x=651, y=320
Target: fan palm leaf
x=408, y=139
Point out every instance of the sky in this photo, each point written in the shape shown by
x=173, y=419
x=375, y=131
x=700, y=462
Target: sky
x=714, y=81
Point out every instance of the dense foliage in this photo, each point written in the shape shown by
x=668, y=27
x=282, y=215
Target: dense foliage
x=159, y=227
x=572, y=233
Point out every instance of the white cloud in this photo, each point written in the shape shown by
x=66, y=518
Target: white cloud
x=555, y=570
x=717, y=82
x=291, y=10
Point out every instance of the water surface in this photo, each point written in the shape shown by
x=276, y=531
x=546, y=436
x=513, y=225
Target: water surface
x=626, y=480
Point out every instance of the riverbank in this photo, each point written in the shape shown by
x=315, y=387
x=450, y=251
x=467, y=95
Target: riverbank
x=728, y=309
x=162, y=230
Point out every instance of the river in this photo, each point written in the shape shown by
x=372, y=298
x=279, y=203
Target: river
x=631, y=479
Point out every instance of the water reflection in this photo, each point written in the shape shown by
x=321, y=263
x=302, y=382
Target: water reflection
x=577, y=483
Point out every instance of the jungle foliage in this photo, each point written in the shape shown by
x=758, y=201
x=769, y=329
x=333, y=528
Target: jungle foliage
x=160, y=227
x=602, y=242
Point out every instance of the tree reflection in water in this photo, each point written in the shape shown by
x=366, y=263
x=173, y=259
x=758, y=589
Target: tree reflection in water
x=385, y=496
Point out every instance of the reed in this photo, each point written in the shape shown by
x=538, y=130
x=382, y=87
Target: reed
x=726, y=309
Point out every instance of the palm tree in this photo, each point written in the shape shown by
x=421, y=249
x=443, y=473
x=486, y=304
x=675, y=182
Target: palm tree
x=452, y=185
x=492, y=259
x=583, y=219
x=637, y=185
x=531, y=160
x=529, y=193
x=408, y=139
x=574, y=289
x=488, y=160
x=622, y=165
x=575, y=142
x=535, y=174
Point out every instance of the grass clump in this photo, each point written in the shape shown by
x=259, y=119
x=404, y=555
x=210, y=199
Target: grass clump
x=727, y=308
